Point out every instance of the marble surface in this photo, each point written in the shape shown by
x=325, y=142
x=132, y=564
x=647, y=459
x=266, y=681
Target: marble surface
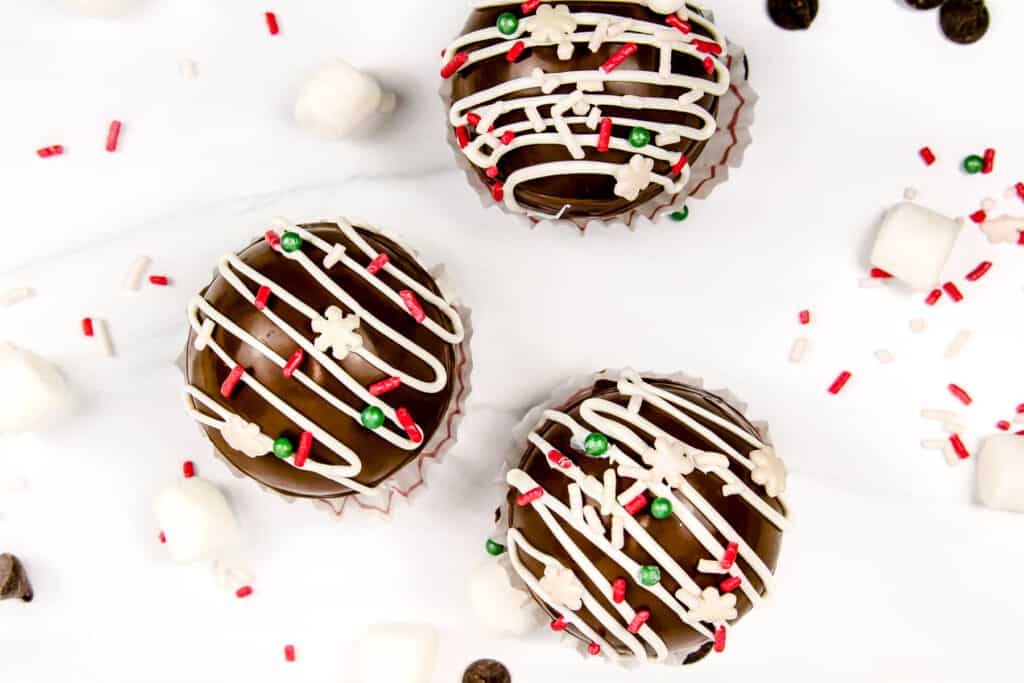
x=892, y=572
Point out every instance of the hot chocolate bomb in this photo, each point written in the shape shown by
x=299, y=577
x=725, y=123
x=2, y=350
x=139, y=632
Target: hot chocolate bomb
x=585, y=110
x=645, y=518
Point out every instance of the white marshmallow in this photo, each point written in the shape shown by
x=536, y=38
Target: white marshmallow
x=914, y=244
x=196, y=520
x=1001, y=472
x=102, y=8
x=396, y=653
x=501, y=607
x=339, y=99
x=34, y=390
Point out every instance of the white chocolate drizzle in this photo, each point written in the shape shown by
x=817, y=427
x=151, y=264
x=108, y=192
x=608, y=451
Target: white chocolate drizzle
x=335, y=331
x=657, y=463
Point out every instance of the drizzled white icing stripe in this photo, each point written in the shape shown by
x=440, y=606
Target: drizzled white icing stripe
x=246, y=437
x=556, y=25
x=662, y=469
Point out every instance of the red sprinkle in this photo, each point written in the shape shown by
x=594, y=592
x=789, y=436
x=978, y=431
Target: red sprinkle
x=707, y=46
x=959, y=447
x=113, y=135
x=678, y=167
x=409, y=425
x=638, y=621
x=934, y=297
x=412, y=304
x=53, y=150
x=880, y=274
x=720, y=639
x=636, y=505
x=928, y=156
x=980, y=271
x=1020, y=238
x=732, y=551
x=293, y=363
x=498, y=192
x=559, y=624
x=473, y=119
x=1020, y=190
x=159, y=280
x=385, y=385
x=530, y=5
x=709, y=65
x=618, y=590
x=289, y=653
x=1003, y=425
x=840, y=382
x=188, y=468
x=462, y=135
x=960, y=394
x=677, y=23
x=979, y=216
x=493, y=172
x=162, y=537
x=953, y=291
x=604, y=136
x=272, y=239
x=730, y=584
x=456, y=63
x=1020, y=409
x=272, y=23
x=559, y=460
x=990, y=161
x=262, y=297
x=507, y=137
x=594, y=649
x=616, y=60
x=377, y=264
x=515, y=51
x=228, y=387
x=244, y=592
x=526, y=498
x=805, y=317
x=87, y=327
x=305, y=444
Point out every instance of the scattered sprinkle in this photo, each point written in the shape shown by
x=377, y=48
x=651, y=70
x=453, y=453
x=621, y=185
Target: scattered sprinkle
x=1003, y=425
x=136, y=271
x=162, y=537
x=1019, y=187
x=980, y=271
x=918, y=325
x=979, y=217
x=928, y=156
x=189, y=69
x=113, y=135
x=960, y=394
x=798, y=351
x=939, y=415
x=934, y=297
x=16, y=295
x=244, y=592
x=957, y=345
x=989, y=161
x=272, y=25
x=159, y=280
x=958, y=447
x=103, y=334
x=839, y=382
x=594, y=649
x=87, y=328
x=289, y=653
x=881, y=274
x=188, y=469
x=953, y=291
x=884, y=357
x=805, y=317
x=51, y=151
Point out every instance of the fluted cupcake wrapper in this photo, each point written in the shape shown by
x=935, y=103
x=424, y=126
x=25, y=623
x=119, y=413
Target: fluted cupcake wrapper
x=723, y=151
x=564, y=394
x=409, y=481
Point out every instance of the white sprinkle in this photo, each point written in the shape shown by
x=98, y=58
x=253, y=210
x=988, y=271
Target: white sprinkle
x=910, y=194
x=189, y=69
x=135, y=273
x=576, y=500
x=988, y=204
x=593, y=521
x=635, y=402
x=799, y=349
x=871, y=282
x=334, y=256
x=939, y=415
x=710, y=567
x=203, y=335
x=884, y=357
x=918, y=325
x=608, y=492
x=958, y=343
x=103, y=336
x=13, y=296
x=618, y=533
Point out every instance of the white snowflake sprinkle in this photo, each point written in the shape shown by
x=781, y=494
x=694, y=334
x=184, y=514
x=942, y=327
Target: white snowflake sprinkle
x=710, y=606
x=562, y=586
x=337, y=331
x=634, y=177
x=246, y=437
x=769, y=471
x=552, y=23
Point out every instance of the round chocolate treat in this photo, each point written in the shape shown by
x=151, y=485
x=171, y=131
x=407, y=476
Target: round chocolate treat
x=645, y=517
x=925, y=4
x=964, y=21
x=486, y=671
x=323, y=360
x=580, y=110
x=793, y=15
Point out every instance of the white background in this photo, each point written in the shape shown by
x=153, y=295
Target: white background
x=892, y=572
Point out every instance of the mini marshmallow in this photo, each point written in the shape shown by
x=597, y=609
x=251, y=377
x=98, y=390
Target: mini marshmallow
x=396, y=653
x=501, y=607
x=339, y=99
x=196, y=520
x=34, y=390
x=1001, y=472
x=914, y=244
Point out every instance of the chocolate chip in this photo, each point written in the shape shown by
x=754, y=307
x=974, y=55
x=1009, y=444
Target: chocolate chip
x=486, y=671
x=793, y=15
x=925, y=4
x=964, y=21
x=14, y=582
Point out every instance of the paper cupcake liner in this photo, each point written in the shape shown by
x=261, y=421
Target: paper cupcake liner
x=566, y=393
x=409, y=481
x=724, y=150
